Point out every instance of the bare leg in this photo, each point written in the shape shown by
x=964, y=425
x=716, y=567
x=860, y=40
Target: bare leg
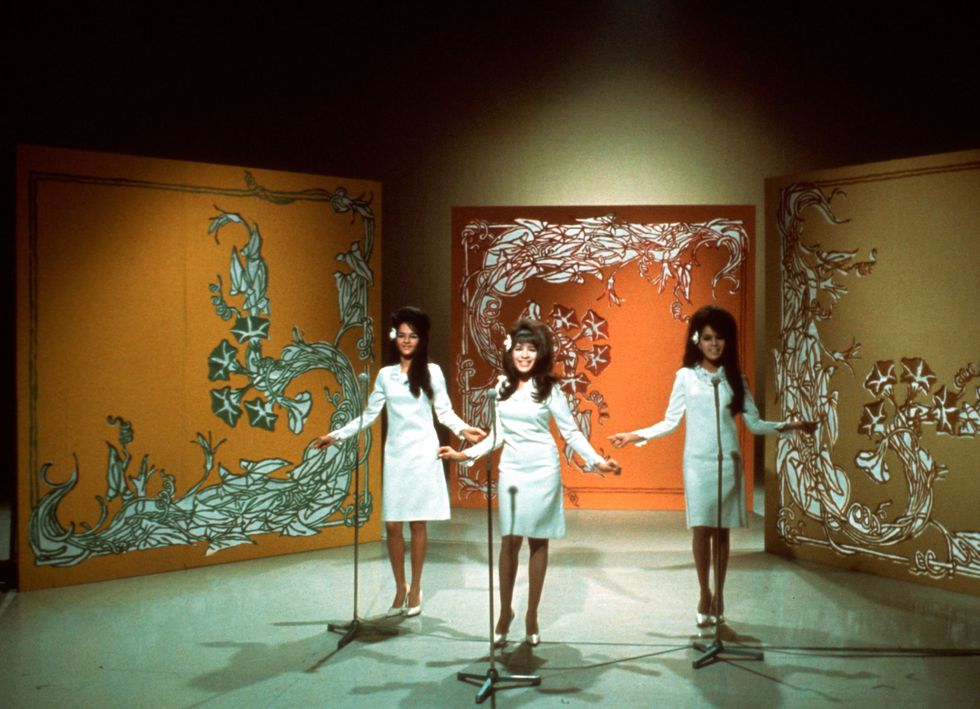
x=701, y=546
x=722, y=547
x=537, y=567
x=510, y=547
x=420, y=542
x=396, y=555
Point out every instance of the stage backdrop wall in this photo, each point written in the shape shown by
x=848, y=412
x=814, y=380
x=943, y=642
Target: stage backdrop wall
x=875, y=334
x=184, y=331
x=616, y=285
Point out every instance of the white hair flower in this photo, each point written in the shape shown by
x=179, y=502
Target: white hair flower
x=392, y=334
x=507, y=342
x=695, y=338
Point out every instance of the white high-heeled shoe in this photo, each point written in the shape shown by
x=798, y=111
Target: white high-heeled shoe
x=414, y=610
x=705, y=620
x=533, y=639
x=500, y=639
x=398, y=610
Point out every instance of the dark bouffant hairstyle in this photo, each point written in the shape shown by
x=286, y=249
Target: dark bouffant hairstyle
x=537, y=333
x=418, y=371
x=722, y=322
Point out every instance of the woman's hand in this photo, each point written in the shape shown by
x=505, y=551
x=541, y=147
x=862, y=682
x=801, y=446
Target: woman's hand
x=805, y=426
x=324, y=441
x=473, y=435
x=609, y=465
x=450, y=453
x=621, y=439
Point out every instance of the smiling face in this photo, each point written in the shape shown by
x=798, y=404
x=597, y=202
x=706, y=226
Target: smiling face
x=406, y=340
x=524, y=354
x=711, y=344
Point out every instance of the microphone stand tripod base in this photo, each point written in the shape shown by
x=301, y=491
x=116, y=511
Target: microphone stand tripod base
x=713, y=652
x=358, y=627
x=492, y=681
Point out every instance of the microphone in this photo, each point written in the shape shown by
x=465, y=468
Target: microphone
x=492, y=395
x=512, y=490
x=362, y=377
x=715, y=379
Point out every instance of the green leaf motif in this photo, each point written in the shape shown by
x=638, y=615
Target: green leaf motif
x=250, y=328
x=115, y=473
x=238, y=284
x=222, y=361
x=261, y=414
x=226, y=404
x=263, y=467
x=298, y=409
x=223, y=219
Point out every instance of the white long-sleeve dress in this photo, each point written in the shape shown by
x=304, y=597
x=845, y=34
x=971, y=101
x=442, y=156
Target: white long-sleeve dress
x=693, y=397
x=414, y=485
x=529, y=487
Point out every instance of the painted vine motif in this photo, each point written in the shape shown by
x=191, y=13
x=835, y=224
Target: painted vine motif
x=226, y=508
x=909, y=404
x=501, y=259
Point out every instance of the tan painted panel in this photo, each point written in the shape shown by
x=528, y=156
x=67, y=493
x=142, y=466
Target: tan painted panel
x=874, y=333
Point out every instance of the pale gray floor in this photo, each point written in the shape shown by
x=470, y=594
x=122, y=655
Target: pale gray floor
x=616, y=619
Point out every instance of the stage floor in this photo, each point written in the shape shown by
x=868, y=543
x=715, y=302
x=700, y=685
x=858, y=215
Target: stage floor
x=617, y=623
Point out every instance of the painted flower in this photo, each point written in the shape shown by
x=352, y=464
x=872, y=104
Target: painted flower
x=507, y=343
x=872, y=419
x=392, y=334
x=563, y=318
x=881, y=378
x=594, y=326
x=577, y=384
x=945, y=412
x=695, y=338
x=598, y=359
x=917, y=374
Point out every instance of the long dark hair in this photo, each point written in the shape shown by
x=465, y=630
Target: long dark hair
x=722, y=322
x=537, y=333
x=418, y=371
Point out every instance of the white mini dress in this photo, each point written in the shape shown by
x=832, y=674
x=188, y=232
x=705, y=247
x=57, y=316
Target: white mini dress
x=414, y=484
x=529, y=489
x=693, y=398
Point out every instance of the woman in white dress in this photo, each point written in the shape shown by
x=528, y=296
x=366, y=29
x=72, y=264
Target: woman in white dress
x=414, y=485
x=710, y=359
x=530, y=500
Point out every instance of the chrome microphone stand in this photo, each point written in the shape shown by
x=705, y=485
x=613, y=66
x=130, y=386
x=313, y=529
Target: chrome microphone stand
x=357, y=625
x=711, y=653
x=493, y=681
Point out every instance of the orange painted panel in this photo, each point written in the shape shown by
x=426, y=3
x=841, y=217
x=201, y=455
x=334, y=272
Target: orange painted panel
x=616, y=284
x=184, y=330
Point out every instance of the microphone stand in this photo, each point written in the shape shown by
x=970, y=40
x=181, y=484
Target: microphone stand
x=357, y=625
x=493, y=680
x=711, y=653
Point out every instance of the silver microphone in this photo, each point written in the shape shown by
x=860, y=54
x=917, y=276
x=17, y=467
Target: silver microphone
x=512, y=490
x=715, y=379
x=492, y=395
x=362, y=377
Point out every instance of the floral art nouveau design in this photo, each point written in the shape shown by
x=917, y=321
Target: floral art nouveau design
x=226, y=508
x=909, y=406
x=502, y=259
